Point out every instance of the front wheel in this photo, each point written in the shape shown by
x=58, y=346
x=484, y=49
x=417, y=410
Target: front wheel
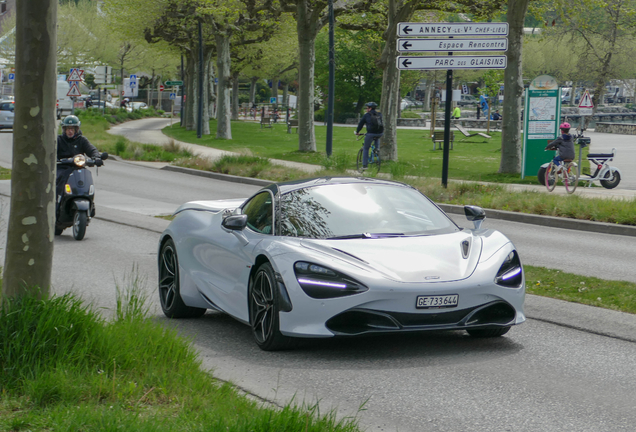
x=80, y=220
x=264, y=307
x=488, y=333
x=570, y=177
x=359, y=160
x=611, y=179
x=541, y=176
x=551, y=177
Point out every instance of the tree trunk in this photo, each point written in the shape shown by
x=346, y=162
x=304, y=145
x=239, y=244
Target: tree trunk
x=390, y=102
x=223, y=61
x=211, y=88
x=253, y=90
x=30, y=234
x=513, y=85
x=275, y=89
x=286, y=94
x=235, y=95
x=306, y=57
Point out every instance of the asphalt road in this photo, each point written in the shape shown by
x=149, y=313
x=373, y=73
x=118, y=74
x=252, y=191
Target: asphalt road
x=540, y=377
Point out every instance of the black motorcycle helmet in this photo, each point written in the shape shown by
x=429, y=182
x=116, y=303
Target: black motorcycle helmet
x=371, y=105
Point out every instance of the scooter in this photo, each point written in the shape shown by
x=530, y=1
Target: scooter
x=76, y=206
x=607, y=175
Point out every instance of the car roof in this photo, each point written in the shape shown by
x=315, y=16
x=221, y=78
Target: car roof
x=289, y=186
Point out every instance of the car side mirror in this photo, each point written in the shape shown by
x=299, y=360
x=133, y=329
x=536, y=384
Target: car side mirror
x=475, y=214
x=235, y=222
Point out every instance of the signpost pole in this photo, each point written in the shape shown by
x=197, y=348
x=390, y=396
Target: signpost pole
x=447, y=122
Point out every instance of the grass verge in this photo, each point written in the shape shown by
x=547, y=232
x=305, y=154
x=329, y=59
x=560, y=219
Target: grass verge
x=65, y=368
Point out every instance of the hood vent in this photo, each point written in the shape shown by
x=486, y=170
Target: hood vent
x=465, y=248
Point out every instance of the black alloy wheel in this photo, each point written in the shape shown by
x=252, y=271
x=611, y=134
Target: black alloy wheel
x=169, y=293
x=264, y=309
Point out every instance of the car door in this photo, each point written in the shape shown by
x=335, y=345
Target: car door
x=232, y=255
x=6, y=114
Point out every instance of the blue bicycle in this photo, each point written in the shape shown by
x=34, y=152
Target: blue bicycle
x=374, y=161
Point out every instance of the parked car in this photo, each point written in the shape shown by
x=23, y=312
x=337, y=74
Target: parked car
x=467, y=100
x=6, y=114
x=101, y=104
x=136, y=106
x=339, y=257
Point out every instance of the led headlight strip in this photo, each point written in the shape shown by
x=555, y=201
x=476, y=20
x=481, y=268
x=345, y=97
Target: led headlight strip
x=321, y=282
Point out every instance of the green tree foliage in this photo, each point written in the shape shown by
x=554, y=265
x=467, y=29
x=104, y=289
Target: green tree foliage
x=357, y=78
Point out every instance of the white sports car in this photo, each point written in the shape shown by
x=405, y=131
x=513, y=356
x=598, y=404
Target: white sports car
x=339, y=257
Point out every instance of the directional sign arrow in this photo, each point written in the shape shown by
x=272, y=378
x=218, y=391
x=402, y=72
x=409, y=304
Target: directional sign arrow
x=406, y=45
x=406, y=63
x=406, y=30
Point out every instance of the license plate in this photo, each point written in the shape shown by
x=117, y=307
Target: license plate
x=445, y=301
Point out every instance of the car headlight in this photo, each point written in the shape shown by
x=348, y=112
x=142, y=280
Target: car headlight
x=79, y=160
x=510, y=273
x=321, y=282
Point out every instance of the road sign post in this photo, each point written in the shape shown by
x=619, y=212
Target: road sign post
x=455, y=40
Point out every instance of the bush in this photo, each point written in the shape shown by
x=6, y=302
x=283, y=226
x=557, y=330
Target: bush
x=409, y=114
x=342, y=117
x=319, y=115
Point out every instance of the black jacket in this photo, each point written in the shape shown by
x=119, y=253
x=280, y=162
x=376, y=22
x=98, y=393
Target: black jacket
x=79, y=144
x=366, y=120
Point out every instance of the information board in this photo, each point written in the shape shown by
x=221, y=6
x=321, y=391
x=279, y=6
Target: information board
x=541, y=117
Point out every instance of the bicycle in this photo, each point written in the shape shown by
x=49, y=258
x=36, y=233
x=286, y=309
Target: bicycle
x=607, y=175
x=568, y=171
x=374, y=154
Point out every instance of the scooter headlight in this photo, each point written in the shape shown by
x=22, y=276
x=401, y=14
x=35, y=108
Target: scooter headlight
x=80, y=160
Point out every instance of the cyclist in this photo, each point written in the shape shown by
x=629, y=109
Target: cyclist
x=564, y=144
x=375, y=129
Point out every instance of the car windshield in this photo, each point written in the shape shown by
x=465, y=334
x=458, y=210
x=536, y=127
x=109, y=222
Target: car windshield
x=360, y=210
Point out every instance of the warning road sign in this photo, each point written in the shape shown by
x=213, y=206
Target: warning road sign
x=586, y=106
x=75, y=75
x=74, y=91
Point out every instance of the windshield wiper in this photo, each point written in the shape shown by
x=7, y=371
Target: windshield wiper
x=366, y=236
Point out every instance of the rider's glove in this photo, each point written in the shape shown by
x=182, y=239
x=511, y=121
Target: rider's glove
x=99, y=162
x=355, y=132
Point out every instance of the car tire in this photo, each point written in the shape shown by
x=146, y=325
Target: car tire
x=264, y=308
x=169, y=290
x=488, y=333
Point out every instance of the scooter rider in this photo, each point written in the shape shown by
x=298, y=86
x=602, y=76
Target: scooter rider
x=69, y=144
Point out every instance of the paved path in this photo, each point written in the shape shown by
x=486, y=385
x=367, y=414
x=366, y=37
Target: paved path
x=149, y=131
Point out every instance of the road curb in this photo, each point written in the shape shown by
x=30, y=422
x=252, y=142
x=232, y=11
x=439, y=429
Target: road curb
x=219, y=176
x=550, y=221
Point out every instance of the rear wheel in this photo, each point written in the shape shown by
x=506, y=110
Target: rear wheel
x=550, y=177
x=264, y=307
x=375, y=161
x=169, y=290
x=611, y=179
x=488, y=333
x=80, y=220
x=570, y=177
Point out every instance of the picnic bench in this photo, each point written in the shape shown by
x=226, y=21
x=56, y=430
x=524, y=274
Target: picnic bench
x=292, y=123
x=468, y=134
x=266, y=121
x=438, y=137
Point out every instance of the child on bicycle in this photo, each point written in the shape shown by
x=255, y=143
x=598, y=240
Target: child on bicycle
x=375, y=129
x=564, y=144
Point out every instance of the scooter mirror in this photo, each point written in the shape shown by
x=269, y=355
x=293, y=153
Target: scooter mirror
x=104, y=156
